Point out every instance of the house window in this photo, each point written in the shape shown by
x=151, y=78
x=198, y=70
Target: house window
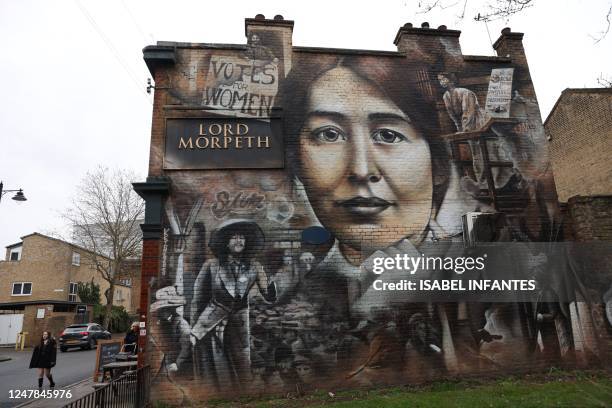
x=15, y=254
x=76, y=259
x=72, y=293
x=22, y=288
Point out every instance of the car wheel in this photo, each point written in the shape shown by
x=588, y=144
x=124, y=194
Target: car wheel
x=63, y=349
x=91, y=344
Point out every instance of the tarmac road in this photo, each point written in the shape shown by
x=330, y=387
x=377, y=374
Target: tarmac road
x=72, y=366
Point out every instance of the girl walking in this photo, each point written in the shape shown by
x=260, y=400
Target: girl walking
x=43, y=358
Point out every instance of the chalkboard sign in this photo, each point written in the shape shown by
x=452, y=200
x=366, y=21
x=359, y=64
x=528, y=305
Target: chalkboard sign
x=106, y=352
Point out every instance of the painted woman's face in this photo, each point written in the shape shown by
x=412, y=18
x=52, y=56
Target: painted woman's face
x=236, y=243
x=366, y=169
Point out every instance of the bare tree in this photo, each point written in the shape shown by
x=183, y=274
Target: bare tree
x=606, y=82
x=105, y=217
x=498, y=9
x=602, y=34
x=490, y=10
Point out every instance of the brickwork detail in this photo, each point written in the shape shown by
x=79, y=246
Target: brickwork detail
x=580, y=133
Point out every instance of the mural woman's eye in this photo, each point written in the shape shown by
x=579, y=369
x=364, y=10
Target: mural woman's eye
x=388, y=136
x=329, y=135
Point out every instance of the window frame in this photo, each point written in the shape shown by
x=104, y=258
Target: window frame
x=72, y=296
x=16, y=250
x=22, y=288
x=76, y=258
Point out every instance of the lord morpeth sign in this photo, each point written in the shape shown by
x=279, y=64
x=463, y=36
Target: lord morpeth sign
x=223, y=143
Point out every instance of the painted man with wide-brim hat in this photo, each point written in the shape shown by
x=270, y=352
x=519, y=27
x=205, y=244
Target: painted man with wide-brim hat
x=220, y=304
x=170, y=330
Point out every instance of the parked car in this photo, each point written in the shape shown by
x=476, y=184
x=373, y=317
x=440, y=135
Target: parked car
x=85, y=336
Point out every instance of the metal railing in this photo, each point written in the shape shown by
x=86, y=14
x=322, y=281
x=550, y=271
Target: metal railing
x=130, y=390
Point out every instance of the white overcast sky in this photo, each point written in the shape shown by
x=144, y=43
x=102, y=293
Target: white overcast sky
x=73, y=79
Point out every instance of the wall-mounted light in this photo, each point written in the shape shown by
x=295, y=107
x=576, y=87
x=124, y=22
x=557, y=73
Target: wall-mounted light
x=149, y=86
x=19, y=196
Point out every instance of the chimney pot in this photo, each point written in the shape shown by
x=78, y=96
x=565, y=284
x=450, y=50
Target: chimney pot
x=260, y=17
x=408, y=25
x=425, y=25
x=278, y=17
x=506, y=30
x=442, y=27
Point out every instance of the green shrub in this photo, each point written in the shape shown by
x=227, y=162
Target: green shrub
x=119, y=321
x=89, y=292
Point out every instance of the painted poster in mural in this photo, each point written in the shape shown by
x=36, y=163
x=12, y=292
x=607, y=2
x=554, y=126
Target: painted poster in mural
x=499, y=94
x=270, y=276
x=246, y=87
x=245, y=84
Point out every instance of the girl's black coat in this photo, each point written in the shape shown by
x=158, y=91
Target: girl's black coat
x=44, y=355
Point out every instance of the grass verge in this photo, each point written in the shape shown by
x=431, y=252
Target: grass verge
x=552, y=389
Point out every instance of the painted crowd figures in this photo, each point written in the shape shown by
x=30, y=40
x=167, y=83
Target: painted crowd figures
x=220, y=303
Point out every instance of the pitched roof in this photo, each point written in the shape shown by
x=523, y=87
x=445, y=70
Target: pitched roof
x=567, y=91
x=54, y=239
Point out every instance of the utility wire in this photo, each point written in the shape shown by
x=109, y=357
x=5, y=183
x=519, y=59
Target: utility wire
x=489, y=34
x=144, y=36
x=112, y=48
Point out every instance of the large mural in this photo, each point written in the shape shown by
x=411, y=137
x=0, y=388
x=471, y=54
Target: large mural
x=265, y=281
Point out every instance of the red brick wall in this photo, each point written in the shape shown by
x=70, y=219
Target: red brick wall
x=149, y=270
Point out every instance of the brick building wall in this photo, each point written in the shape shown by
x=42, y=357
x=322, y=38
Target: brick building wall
x=48, y=264
x=592, y=218
x=132, y=299
x=259, y=280
x=53, y=321
x=579, y=129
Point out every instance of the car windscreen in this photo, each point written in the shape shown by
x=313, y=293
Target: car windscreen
x=73, y=329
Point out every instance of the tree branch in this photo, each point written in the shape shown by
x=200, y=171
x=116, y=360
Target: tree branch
x=104, y=217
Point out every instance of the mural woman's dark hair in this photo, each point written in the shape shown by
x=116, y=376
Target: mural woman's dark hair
x=253, y=236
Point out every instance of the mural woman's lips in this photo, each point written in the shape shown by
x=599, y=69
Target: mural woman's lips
x=364, y=205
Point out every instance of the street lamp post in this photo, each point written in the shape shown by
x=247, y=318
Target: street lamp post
x=19, y=196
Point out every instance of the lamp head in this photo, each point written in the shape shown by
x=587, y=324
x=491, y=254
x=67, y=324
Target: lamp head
x=19, y=196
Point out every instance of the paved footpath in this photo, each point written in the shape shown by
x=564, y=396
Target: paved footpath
x=73, y=371
x=78, y=390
